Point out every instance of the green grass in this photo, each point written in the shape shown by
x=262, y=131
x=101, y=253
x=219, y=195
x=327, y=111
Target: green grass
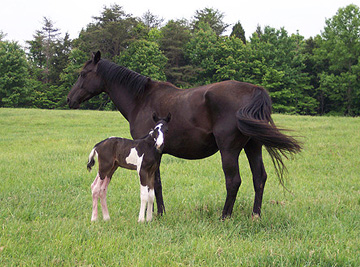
x=45, y=200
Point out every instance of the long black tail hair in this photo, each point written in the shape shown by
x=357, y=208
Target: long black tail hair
x=254, y=120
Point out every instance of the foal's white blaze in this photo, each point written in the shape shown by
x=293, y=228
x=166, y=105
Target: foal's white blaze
x=160, y=139
x=134, y=159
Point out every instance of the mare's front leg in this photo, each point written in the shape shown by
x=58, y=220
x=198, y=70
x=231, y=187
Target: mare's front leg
x=253, y=152
x=158, y=193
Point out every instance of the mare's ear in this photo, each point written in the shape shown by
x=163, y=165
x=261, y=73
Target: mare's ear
x=155, y=117
x=96, y=57
x=168, y=118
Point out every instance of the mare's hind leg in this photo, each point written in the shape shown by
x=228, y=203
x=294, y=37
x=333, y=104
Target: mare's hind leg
x=253, y=152
x=230, y=145
x=230, y=167
x=158, y=193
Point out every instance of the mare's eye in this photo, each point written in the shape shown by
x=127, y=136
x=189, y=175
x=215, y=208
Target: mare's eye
x=83, y=74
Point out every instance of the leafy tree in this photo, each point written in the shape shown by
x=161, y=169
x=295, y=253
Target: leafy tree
x=231, y=59
x=340, y=48
x=213, y=17
x=2, y=36
x=145, y=58
x=151, y=21
x=13, y=76
x=50, y=34
x=202, y=53
x=112, y=32
x=239, y=32
x=276, y=62
x=174, y=37
x=48, y=56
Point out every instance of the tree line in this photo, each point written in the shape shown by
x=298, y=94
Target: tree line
x=314, y=76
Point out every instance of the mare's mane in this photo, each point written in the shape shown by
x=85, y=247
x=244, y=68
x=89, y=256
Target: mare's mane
x=115, y=74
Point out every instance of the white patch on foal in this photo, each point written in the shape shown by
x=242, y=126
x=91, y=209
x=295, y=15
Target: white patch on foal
x=160, y=139
x=134, y=159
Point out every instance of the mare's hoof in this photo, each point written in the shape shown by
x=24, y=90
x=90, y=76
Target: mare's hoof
x=255, y=217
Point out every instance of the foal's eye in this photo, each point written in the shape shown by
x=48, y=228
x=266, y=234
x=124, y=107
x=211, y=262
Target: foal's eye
x=83, y=74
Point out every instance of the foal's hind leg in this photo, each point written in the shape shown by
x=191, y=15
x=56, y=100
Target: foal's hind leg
x=95, y=190
x=103, y=191
x=253, y=152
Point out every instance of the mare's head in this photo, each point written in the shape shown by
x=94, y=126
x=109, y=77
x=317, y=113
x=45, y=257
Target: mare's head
x=88, y=85
x=160, y=130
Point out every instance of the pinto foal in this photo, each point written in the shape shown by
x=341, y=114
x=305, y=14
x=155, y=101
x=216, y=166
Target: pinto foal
x=143, y=155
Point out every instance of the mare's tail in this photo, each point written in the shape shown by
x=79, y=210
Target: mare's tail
x=91, y=161
x=254, y=120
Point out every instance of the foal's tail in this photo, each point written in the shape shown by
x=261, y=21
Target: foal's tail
x=91, y=161
x=254, y=120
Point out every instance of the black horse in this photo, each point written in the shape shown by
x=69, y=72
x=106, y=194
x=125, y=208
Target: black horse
x=228, y=116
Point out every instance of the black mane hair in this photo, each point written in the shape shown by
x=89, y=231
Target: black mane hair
x=114, y=73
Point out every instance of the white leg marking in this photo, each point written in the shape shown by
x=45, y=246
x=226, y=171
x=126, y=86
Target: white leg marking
x=151, y=197
x=134, y=159
x=95, y=189
x=144, y=199
x=103, y=191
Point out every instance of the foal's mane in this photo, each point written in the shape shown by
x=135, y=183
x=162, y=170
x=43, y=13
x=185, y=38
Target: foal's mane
x=116, y=74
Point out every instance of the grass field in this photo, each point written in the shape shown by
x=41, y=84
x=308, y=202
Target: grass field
x=46, y=204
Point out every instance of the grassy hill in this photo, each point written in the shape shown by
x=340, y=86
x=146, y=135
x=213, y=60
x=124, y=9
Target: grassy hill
x=46, y=202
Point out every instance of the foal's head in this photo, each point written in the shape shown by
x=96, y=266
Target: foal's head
x=88, y=85
x=160, y=130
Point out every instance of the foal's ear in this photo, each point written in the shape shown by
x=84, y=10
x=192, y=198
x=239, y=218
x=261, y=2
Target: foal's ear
x=96, y=57
x=155, y=117
x=168, y=117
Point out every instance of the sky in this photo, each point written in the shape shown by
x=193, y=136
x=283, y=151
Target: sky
x=20, y=19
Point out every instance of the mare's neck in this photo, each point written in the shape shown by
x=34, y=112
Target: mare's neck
x=123, y=100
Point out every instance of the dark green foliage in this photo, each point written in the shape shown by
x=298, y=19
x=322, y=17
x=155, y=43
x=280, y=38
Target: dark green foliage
x=213, y=17
x=239, y=32
x=13, y=76
x=144, y=57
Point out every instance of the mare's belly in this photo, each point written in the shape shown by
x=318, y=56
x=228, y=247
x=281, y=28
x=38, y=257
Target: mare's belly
x=191, y=147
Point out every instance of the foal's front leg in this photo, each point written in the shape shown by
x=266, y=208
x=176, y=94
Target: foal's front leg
x=147, y=196
x=150, y=206
x=143, y=200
